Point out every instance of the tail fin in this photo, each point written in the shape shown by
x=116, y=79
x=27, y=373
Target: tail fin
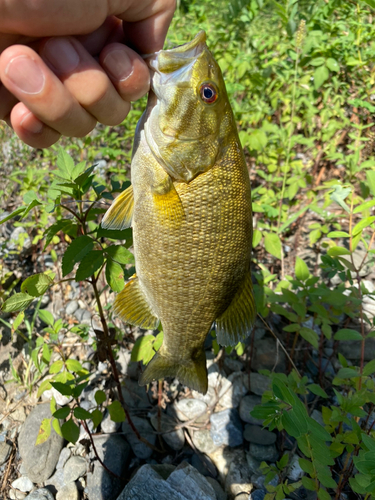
x=190, y=372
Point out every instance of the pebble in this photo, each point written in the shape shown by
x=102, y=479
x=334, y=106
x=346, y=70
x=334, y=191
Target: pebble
x=257, y=495
x=57, y=480
x=64, y=455
x=143, y=426
x=5, y=449
x=71, y=307
x=232, y=390
x=192, y=485
x=266, y=355
x=220, y=493
x=40, y=461
x=203, y=464
x=74, y=468
x=174, y=438
x=203, y=441
x=238, y=479
x=295, y=472
x=259, y=479
x=69, y=492
x=223, y=456
x=125, y=365
x=303, y=494
x=247, y=405
x=164, y=470
x=23, y=484
x=207, y=398
x=226, y=428
x=16, y=495
x=258, y=383
x=108, y=426
x=41, y=494
x=255, y=434
x=114, y=451
x=232, y=364
x=188, y=409
x=264, y=453
x=253, y=464
x=134, y=395
x=60, y=399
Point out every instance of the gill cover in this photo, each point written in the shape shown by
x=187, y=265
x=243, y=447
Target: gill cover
x=190, y=115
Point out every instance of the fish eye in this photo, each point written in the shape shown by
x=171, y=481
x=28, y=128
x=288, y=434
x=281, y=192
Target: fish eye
x=208, y=92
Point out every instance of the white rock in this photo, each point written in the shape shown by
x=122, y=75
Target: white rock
x=23, y=483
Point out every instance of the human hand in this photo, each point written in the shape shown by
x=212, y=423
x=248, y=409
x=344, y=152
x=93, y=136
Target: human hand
x=85, y=73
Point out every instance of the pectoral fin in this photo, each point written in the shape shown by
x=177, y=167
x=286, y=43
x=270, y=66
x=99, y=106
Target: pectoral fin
x=236, y=322
x=167, y=201
x=132, y=306
x=119, y=215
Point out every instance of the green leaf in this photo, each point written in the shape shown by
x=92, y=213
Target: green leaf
x=75, y=252
x=310, y=335
x=362, y=224
x=257, y=236
x=70, y=431
x=100, y=397
x=339, y=195
x=81, y=413
x=44, y=386
x=347, y=334
x=306, y=466
x=65, y=164
x=114, y=234
x=73, y=365
x=256, y=140
x=96, y=417
x=63, y=389
x=62, y=413
x=371, y=3
x=318, y=61
x=19, y=318
x=44, y=431
x=369, y=368
x=60, y=225
x=37, y=284
x=323, y=494
x=309, y=484
x=364, y=206
x=46, y=353
x=142, y=348
x=56, y=366
x=338, y=234
x=347, y=373
x=272, y=244
x=89, y=265
x=301, y=270
x=332, y=64
x=317, y=390
x=159, y=340
x=120, y=254
x=370, y=175
x=318, y=431
x=56, y=426
x=114, y=275
x=116, y=412
x=46, y=317
x=334, y=251
x=16, y=212
x=321, y=74
x=17, y=302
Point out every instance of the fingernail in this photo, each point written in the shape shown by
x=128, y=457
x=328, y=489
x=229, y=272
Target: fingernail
x=118, y=64
x=61, y=54
x=31, y=124
x=25, y=74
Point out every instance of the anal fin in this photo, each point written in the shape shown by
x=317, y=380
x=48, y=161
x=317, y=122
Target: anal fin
x=236, y=322
x=120, y=213
x=132, y=306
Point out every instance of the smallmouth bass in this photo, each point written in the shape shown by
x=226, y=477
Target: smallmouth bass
x=190, y=208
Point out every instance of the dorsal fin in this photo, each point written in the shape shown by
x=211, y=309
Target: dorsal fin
x=119, y=215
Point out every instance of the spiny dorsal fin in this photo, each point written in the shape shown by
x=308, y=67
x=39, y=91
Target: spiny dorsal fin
x=119, y=215
x=190, y=372
x=236, y=322
x=167, y=203
x=132, y=306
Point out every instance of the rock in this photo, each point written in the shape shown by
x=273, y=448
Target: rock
x=266, y=356
x=295, y=472
x=254, y=465
x=238, y=479
x=108, y=426
x=232, y=390
x=125, y=365
x=351, y=349
x=41, y=494
x=203, y=441
x=40, y=461
x=264, y=453
x=5, y=449
x=257, y=495
x=135, y=396
x=174, y=438
x=114, y=451
x=143, y=426
x=247, y=405
x=219, y=492
x=226, y=428
x=207, y=398
x=71, y=307
x=232, y=364
x=203, y=464
x=23, y=484
x=57, y=480
x=222, y=458
x=60, y=399
x=258, y=481
x=258, y=383
x=257, y=435
x=303, y=494
x=69, y=492
x=16, y=495
x=184, y=483
x=164, y=470
x=64, y=455
x=74, y=468
x=188, y=409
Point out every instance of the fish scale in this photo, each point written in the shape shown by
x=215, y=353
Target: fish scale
x=190, y=209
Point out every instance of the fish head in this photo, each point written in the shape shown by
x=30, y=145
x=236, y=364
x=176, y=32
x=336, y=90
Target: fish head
x=189, y=115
